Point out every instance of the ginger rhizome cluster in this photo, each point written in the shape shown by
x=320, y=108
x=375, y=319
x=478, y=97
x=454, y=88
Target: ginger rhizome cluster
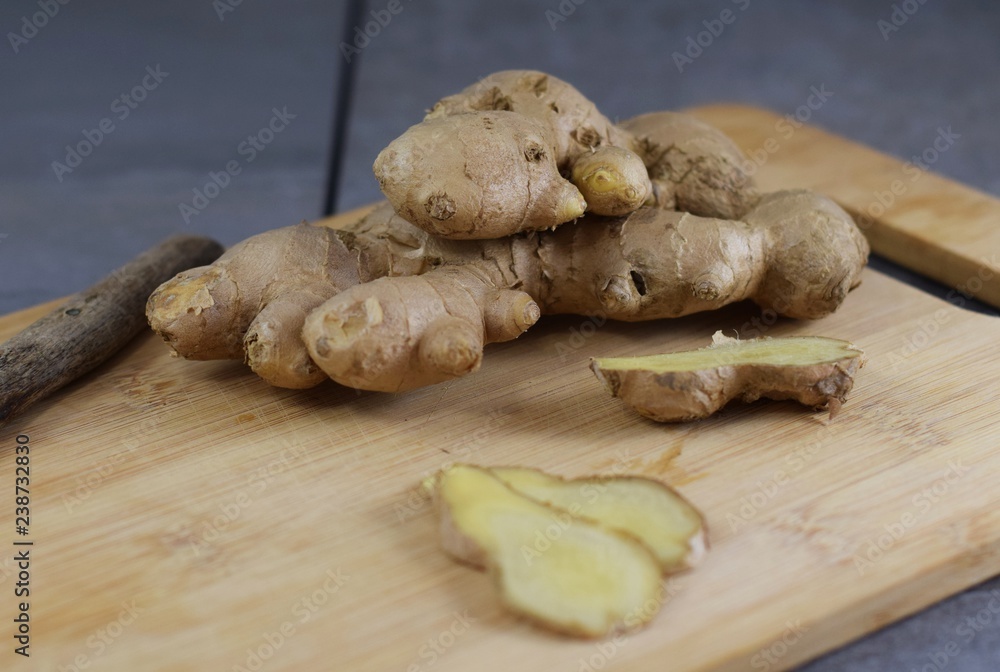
x=512, y=199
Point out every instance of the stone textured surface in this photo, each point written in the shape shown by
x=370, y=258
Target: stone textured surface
x=892, y=90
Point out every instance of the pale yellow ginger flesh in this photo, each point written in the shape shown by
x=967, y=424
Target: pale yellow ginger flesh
x=646, y=509
x=580, y=575
x=812, y=370
x=794, y=351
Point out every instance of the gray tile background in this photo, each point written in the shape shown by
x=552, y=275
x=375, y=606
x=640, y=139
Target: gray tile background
x=226, y=75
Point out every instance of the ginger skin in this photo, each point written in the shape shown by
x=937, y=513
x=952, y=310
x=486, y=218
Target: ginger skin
x=372, y=337
x=489, y=161
x=251, y=303
x=797, y=253
x=693, y=167
x=495, y=174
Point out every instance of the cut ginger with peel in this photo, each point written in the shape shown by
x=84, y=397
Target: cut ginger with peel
x=562, y=560
x=812, y=370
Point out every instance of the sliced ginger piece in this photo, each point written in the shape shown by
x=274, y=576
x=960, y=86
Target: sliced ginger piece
x=812, y=370
x=569, y=574
x=648, y=510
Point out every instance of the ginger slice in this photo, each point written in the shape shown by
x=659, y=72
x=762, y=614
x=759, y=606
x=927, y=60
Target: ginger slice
x=812, y=370
x=569, y=574
x=647, y=509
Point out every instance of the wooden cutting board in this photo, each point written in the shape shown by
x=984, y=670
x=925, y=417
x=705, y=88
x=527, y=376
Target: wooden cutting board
x=186, y=516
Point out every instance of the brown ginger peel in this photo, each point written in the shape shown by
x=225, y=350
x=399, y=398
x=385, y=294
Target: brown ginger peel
x=490, y=161
x=305, y=302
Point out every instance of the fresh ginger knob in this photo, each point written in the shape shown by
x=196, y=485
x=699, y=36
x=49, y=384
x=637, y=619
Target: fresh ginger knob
x=613, y=181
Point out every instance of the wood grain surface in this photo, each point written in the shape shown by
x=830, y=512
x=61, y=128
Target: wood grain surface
x=187, y=516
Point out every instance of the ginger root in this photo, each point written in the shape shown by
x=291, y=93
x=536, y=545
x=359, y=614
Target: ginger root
x=672, y=226
x=814, y=371
x=613, y=181
x=482, y=175
x=575, y=565
x=401, y=333
x=251, y=303
x=693, y=166
x=797, y=253
x=490, y=161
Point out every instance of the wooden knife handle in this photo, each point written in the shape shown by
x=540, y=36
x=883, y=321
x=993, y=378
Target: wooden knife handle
x=92, y=325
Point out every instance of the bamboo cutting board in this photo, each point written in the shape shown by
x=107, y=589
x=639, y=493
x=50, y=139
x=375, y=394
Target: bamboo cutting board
x=186, y=516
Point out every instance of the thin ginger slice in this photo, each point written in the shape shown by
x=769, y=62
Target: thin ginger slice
x=648, y=510
x=812, y=370
x=569, y=574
